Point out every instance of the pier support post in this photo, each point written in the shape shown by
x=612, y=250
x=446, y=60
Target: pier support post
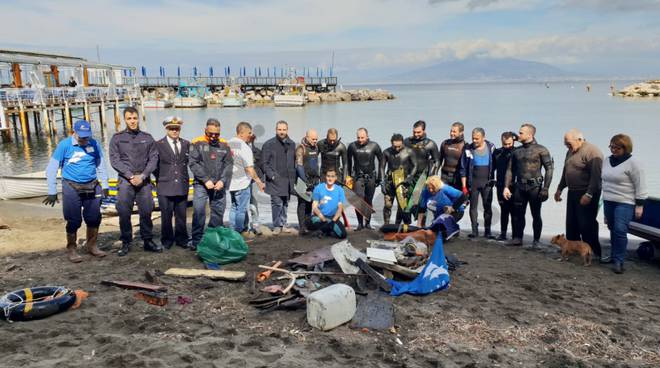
x=22, y=115
x=68, y=118
x=117, y=117
x=86, y=111
x=46, y=116
x=37, y=122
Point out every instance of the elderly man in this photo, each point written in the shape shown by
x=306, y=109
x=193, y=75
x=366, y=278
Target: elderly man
x=307, y=168
x=280, y=170
x=81, y=159
x=172, y=183
x=582, y=177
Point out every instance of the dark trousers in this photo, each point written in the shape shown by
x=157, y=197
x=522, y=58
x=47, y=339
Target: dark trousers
x=521, y=198
x=304, y=212
x=127, y=196
x=173, y=205
x=581, y=221
x=451, y=178
x=506, y=210
x=72, y=202
x=331, y=228
x=365, y=187
x=480, y=187
x=217, y=201
x=401, y=216
x=279, y=205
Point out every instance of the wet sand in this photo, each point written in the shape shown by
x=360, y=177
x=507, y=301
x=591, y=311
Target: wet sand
x=507, y=307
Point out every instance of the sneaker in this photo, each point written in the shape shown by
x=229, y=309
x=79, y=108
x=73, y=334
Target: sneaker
x=247, y=235
x=287, y=230
x=277, y=230
x=489, y=236
x=618, y=268
x=473, y=235
x=515, y=242
x=606, y=260
x=501, y=237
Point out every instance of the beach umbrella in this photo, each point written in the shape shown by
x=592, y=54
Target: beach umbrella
x=321, y=73
x=178, y=71
x=317, y=71
x=144, y=71
x=268, y=72
x=260, y=71
x=210, y=71
x=228, y=70
x=255, y=71
x=194, y=71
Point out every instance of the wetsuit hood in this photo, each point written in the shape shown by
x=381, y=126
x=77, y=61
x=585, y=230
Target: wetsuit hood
x=306, y=143
x=458, y=139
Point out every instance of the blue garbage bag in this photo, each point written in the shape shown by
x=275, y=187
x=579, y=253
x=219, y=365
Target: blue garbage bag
x=434, y=276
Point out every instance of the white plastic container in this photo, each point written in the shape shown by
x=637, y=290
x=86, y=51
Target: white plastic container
x=330, y=307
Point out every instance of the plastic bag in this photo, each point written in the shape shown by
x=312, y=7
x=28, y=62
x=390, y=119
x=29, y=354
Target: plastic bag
x=222, y=245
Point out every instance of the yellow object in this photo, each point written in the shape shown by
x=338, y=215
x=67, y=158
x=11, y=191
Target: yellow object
x=349, y=182
x=28, y=301
x=398, y=177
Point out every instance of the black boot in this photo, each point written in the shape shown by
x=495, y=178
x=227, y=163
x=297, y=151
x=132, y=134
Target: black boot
x=125, y=248
x=618, y=267
x=151, y=246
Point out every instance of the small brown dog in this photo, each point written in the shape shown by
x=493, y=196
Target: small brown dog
x=569, y=247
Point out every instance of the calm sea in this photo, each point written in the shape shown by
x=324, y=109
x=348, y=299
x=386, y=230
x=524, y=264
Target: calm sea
x=494, y=106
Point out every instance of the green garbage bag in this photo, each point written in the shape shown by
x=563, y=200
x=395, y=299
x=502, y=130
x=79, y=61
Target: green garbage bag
x=222, y=245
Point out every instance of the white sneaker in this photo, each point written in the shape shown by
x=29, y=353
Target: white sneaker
x=277, y=230
x=287, y=230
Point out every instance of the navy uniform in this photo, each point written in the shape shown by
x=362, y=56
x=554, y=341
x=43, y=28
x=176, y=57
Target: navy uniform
x=80, y=157
x=172, y=184
x=133, y=153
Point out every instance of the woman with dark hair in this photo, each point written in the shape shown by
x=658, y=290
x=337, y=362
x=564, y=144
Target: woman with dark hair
x=624, y=192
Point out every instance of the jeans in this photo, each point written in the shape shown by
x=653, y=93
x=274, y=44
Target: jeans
x=217, y=202
x=618, y=217
x=330, y=228
x=581, y=222
x=279, y=205
x=72, y=202
x=240, y=201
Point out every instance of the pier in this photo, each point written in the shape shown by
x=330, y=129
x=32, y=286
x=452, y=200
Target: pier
x=317, y=84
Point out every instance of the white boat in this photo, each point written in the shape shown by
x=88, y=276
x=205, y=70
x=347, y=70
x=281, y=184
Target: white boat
x=233, y=100
x=190, y=96
x=156, y=103
x=189, y=102
x=292, y=93
x=25, y=185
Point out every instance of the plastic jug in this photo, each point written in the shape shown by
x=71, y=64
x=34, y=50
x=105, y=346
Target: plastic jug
x=330, y=307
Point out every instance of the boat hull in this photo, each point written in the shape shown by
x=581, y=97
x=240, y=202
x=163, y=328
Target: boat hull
x=157, y=104
x=189, y=102
x=289, y=100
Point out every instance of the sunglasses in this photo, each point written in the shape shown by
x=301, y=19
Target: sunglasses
x=174, y=128
x=212, y=135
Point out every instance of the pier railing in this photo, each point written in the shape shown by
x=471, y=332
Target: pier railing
x=11, y=98
x=173, y=82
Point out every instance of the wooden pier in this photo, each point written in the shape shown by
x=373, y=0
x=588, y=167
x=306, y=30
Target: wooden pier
x=318, y=84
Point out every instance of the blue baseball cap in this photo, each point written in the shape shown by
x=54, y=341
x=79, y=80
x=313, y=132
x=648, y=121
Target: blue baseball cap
x=83, y=128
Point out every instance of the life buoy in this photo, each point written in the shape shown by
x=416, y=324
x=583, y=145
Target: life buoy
x=36, y=303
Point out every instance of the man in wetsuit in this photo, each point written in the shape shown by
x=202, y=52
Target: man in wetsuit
x=333, y=154
x=307, y=169
x=451, y=151
x=397, y=157
x=526, y=184
x=425, y=150
x=362, y=168
x=502, y=157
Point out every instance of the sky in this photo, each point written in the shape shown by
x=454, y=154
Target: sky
x=611, y=38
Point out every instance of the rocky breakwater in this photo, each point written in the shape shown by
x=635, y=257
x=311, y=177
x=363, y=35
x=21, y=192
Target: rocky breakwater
x=645, y=89
x=349, y=95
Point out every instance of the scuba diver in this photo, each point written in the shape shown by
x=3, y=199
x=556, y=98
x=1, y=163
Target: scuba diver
x=524, y=177
x=333, y=154
x=399, y=169
x=425, y=150
x=451, y=151
x=363, y=172
x=502, y=156
x=307, y=169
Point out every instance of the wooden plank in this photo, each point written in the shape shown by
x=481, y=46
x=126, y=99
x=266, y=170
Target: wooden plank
x=211, y=274
x=134, y=285
x=404, y=271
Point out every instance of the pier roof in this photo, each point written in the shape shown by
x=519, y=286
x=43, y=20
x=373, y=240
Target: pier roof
x=37, y=58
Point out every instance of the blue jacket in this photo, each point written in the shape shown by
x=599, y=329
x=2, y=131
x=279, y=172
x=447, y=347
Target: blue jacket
x=79, y=164
x=466, y=167
x=447, y=196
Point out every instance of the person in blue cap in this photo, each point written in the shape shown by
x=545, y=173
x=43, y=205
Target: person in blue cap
x=81, y=159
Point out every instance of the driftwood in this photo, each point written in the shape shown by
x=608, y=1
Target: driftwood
x=134, y=285
x=404, y=271
x=211, y=274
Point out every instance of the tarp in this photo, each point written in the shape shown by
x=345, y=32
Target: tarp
x=434, y=276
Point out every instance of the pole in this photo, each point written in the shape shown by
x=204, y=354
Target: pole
x=25, y=130
x=117, y=119
x=44, y=112
x=68, y=118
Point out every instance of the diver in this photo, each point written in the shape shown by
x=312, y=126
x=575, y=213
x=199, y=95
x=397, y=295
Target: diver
x=307, y=169
x=525, y=183
x=333, y=154
x=425, y=150
x=364, y=173
x=399, y=169
x=451, y=151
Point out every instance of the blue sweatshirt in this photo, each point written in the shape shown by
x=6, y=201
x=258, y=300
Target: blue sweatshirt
x=79, y=164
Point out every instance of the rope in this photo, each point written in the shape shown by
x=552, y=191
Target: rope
x=11, y=305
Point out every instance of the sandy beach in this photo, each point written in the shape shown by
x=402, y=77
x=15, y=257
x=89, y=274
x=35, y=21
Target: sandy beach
x=506, y=307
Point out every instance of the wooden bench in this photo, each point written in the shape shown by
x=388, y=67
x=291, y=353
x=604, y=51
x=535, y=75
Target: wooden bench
x=648, y=227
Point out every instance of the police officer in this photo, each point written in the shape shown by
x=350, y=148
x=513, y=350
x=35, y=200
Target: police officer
x=172, y=183
x=397, y=157
x=134, y=156
x=307, y=169
x=451, y=151
x=363, y=171
x=81, y=159
x=333, y=154
x=525, y=178
x=424, y=149
x=211, y=163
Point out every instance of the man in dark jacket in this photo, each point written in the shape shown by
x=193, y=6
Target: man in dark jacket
x=502, y=157
x=172, y=183
x=451, y=151
x=134, y=156
x=477, y=178
x=280, y=169
x=211, y=163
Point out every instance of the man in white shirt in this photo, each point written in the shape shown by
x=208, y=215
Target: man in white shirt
x=243, y=174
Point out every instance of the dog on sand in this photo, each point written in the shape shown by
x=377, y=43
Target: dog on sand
x=569, y=247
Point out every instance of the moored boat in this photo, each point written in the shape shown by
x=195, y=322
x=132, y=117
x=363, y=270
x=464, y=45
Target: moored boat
x=291, y=93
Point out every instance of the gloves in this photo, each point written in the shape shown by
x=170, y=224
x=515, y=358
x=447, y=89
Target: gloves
x=51, y=200
x=383, y=189
x=543, y=195
x=310, y=188
x=465, y=191
x=106, y=193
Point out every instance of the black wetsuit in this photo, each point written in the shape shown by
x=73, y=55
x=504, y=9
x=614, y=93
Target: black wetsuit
x=361, y=165
x=333, y=156
x=393, y=160
x=451, y=151
x=426, y=154
x=502, y=157
x=307, y=167
x=528, y=185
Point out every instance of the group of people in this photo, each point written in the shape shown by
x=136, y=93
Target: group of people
x=453, y=175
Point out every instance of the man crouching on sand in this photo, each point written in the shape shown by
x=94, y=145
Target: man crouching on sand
x=80, y=158
x=327, y=207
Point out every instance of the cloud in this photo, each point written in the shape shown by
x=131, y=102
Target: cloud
x=613, y=5
x=487, y=4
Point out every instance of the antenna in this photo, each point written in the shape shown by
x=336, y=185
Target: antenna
x=98, y=53
x=332, y=64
